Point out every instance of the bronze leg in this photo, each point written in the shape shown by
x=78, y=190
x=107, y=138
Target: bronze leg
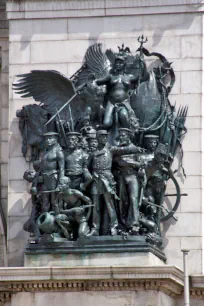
x=111, y=211
x=133, y=190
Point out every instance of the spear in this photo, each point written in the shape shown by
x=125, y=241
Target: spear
x=71, y=119
x=62, y=129
x=68, y=102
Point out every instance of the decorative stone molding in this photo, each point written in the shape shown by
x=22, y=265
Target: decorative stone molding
x=197, y=286
x=167, y=279
x=27, y=9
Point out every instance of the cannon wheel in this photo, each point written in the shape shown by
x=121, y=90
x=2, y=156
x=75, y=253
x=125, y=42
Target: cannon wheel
x=178, y=198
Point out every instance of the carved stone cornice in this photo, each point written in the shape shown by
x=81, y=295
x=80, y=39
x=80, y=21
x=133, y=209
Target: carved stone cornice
x=167, y=279
x=28, y=9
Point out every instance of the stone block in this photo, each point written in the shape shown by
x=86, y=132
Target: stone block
x=190, y=182
x=192, y=160
x=4, y=175
x=188, y=224
x=192, y=100
x=190, y=64
x=4, y=134
x=191, y=46
x=4, y=192
x=64, y=13
x=4, y=118
x=38, y=29
x=173, y=243
x=4, y=96
x=154, y=25
x=192, y=141
x=19, y=52
x=16, y=240
x=17, y=167
x=194, y=260
x=15, y=7
x=67, y=5
x=15, y=145
x=23, y=298
x=167, y=46
x=193, y=202
x=14, y=127
x=193, y=122
x=86, y=28
x=19, y=204
x=91, y=298
x=96, y=259
x=191, y=243
x=191, y=82
x=20, y=69
x=193, y=301
x=19, y=186
x=59, y=51
x=4, y=152
x=5, y=78
x=190, y=203
x=5, y=59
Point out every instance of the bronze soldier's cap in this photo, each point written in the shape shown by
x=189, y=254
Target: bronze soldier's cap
x=151, y=136
x=73, y=134
x=50, y=134
x=124, y=130
x=102, y=132
x=91, y=136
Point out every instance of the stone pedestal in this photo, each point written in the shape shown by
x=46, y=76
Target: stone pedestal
x=94, y=251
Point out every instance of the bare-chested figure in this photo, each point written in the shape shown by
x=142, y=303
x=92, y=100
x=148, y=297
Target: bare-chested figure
x=52, y=171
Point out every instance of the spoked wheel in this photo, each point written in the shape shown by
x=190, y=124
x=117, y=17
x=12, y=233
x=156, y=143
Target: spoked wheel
x=170, y=207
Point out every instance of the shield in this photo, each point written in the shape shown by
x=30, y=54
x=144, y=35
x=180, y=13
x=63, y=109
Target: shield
x=146, y=102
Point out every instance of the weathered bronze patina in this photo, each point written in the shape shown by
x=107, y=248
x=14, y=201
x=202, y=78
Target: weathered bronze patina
x=103, y=144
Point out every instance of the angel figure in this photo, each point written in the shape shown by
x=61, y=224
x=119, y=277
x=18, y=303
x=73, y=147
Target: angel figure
x=118, y=111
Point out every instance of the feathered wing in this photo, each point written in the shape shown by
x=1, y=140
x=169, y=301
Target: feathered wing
x=96, y=62
x=51, y=88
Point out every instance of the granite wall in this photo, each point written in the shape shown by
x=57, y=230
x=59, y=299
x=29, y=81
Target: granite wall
x=55, y=35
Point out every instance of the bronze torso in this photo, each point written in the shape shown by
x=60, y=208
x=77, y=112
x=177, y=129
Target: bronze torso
x=75, y=162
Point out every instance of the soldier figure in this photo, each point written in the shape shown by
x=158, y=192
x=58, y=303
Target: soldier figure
x=103, y=184
x=52, y=171
x=103, y=180
x=127, y=173
x=76, y=161
x=92, y=143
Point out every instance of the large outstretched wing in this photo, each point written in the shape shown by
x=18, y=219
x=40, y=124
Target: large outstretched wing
x=51, y=88
x=95, y=62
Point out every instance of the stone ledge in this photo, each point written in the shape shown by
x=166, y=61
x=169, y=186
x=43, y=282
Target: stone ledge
x=29, y=9
x=167, y=279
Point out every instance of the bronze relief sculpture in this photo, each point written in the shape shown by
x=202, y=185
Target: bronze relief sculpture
x=103, y=144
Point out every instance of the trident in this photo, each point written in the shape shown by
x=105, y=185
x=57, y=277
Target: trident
x=142, y=41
